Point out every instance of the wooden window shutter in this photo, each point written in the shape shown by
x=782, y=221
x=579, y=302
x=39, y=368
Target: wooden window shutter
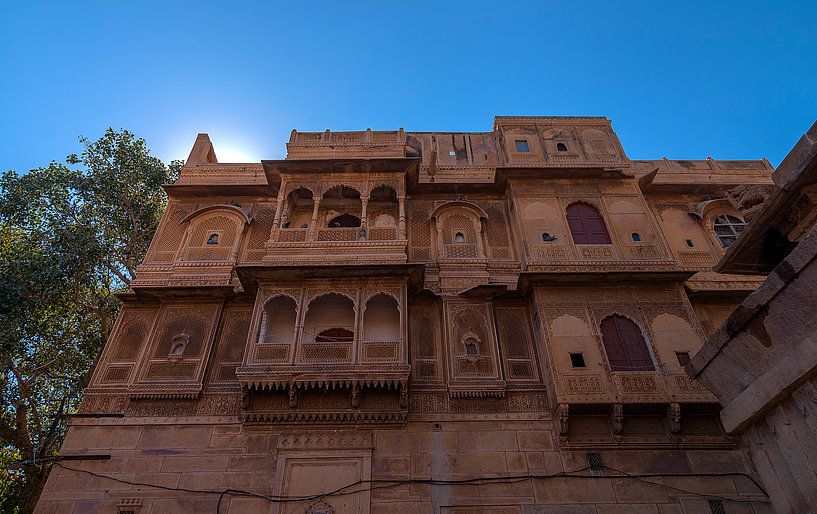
x=586, y=225
x=625, y=345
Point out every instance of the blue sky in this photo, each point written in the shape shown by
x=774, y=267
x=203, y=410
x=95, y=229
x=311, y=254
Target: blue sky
x=689, y=79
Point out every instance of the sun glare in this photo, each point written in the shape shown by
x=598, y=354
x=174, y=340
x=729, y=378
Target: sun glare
x=227, y=154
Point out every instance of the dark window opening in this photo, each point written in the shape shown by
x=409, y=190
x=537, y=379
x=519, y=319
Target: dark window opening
x=335, y=335
x=286, y=225
x=212, y=239
x=471, y=349
x=459, y=237
x=522, y=146
x=577, y=360
x=690, y=243
x=586, y=225
x=727, y=228
x=561, y=147
x=595, y=463
x=625, y=345
x=683, y=358
x=636, y=236
x=716, y=506
x=344, y=220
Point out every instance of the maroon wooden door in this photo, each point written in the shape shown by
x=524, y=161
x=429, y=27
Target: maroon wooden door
x=586, y=225
x=625, y=345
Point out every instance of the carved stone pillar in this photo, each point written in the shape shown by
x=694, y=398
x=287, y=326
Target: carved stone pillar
x=364, y=223
x=279, y=206
x=263, y=327
x=313, y=226
x=401, y=223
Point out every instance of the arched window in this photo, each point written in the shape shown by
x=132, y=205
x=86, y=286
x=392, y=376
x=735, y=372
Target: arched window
x=586, y=225
x=298, y=211
x=213, y=239
x=459, y=237
x=727, y=228
x=330, y=318
x=279, y=321
x=561, y=147
x=381, y=319
x=625, y=345
x=471, y=349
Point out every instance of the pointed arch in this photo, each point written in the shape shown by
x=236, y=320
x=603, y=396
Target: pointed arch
x=625, y=344
x=586, y=225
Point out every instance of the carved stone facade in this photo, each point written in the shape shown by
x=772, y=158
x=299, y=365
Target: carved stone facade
x=415, y=322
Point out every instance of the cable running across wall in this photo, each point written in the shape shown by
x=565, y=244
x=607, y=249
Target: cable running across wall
x=375, y=484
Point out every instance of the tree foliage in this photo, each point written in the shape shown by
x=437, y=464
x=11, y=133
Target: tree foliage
x=71, y=235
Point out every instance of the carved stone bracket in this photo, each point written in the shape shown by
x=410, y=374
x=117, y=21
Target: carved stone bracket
x=562, y=418
x=674, y=416
x=617, y=421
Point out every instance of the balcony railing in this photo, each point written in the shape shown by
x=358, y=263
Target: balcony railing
x=339, y=234
x=633, y=386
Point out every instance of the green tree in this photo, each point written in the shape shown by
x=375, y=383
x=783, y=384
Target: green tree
x=71, y=235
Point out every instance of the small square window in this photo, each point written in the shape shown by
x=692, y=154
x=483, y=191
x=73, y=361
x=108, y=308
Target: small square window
x=452, y=153
x=690, y=243
x=683, y=358
x=636, y=236
x=561, y=147
x=522, y=146
x=577, y=360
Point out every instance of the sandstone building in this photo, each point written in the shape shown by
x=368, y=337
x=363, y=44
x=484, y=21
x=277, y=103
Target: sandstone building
x=453, y=323
x=762, y=363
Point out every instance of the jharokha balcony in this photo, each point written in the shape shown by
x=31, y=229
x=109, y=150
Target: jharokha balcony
x=326, y=364
x=339, y=211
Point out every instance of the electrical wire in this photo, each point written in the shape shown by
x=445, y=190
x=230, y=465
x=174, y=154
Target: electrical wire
x=375, y=484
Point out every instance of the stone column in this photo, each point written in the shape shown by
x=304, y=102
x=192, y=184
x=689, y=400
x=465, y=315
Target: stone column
x=401, y=223
x=279, y=205
x=313, y=226
x=279, y=208
x=364, y=223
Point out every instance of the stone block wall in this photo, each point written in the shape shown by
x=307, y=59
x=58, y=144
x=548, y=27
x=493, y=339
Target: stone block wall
x=214, y=457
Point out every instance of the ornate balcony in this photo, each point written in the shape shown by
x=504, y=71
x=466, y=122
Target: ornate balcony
x=317, y=359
